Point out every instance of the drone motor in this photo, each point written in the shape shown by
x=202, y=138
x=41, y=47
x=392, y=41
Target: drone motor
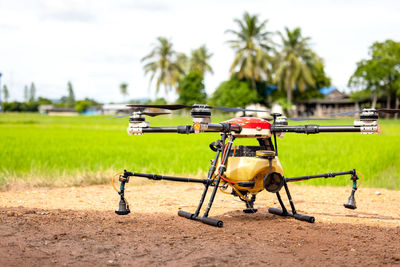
x=201, y=115
x=368, y=122
x=281, y=121
x=136, y=123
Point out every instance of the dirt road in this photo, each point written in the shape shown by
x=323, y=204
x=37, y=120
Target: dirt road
x=77, y=226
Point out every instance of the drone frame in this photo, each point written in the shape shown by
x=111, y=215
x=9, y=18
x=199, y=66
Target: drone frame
x=223, y=147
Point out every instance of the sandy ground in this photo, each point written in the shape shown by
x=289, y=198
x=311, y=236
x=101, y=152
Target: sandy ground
x=77, y=226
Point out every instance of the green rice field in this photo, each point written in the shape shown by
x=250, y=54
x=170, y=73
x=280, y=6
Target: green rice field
x=59, y=151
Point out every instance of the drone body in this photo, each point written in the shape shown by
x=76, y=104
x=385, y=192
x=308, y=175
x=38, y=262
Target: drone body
x=242, y=171
x=252, y=163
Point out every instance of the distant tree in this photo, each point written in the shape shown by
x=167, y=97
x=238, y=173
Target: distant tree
x=367, y=78
x=70, y=101
x=199, y=61
x=182, y=61
x=43, y=101
x=26, y=94
x=380, y=74
x=317, y=67
x=32, y=92
x=192, y=89
x=234, y=93
x=123, y=88
x=5, y=92
x=82, y=105
x=162, y=62
x=21, y=106
x=292, y=68
x=251, y=44
x=12, y=106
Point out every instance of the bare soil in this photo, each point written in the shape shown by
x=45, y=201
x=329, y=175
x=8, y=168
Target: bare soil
x=77, y=226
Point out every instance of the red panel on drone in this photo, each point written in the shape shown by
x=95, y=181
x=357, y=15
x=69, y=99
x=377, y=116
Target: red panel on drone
x=250, y=123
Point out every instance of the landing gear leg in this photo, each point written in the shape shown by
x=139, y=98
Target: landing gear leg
x=284, y=212
x=250, y=205
x=205, y=219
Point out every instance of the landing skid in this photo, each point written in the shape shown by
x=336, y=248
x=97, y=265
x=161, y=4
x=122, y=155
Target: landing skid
x=284, y=212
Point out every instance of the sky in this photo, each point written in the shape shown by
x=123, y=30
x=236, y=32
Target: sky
x=98, y=44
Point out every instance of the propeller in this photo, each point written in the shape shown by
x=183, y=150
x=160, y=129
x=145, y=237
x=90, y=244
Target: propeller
x=310, y=119
x=384, y=110
x=177, y=106
x=142, y=112
x=302, y=119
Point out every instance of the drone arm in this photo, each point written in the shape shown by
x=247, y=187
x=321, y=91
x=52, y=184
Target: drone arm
x=168, y=178
x=325, y=175
x=182, y=129
x=224, y=127
x=188, y=129
x=314, y=129
x=178, y=179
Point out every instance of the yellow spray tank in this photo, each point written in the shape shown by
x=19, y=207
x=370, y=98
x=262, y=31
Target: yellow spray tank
x=252, y=169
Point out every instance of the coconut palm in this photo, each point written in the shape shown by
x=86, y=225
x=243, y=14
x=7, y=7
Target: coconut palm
x=292, y=68
x=251, y=44
x=199, y=60
x=123, y=88
x=161, y=62
x=6, y=94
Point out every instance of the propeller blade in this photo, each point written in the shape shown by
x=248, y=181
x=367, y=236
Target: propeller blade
x=384, y=110
x=153, y=114
x=170, y=107
x=227, y=109
x=177, y=106
x=310, y=119
x=389, y=110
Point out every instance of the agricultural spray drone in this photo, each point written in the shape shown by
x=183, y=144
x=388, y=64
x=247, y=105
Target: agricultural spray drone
x=245, y=170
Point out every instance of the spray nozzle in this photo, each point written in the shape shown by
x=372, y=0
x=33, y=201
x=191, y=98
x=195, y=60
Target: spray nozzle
x=123, y=207
x=351, y=202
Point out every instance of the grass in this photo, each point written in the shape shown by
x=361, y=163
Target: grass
x=45, y=150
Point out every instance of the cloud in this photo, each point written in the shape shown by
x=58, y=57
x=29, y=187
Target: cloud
x=8, y=27
x=148, y=6
x=68, y=11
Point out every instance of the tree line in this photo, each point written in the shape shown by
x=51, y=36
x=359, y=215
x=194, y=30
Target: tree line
x=378, y=76
x=264, y=71
x=259, y=67
x=31, y=103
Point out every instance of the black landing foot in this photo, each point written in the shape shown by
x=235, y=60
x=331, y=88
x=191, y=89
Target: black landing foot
x=250, y=205
x=206, y=220
x=297, y=216
x=250, y=210
x=284, y=211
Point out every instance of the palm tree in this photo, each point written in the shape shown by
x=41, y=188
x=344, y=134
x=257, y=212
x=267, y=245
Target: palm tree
x=182, y=63
x=199, y=60
x=6, y=94
x=123, y=88
x=161, y=62
x=251, y=46
x=292, y=69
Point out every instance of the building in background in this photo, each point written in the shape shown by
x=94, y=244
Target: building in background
x=333, y=101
